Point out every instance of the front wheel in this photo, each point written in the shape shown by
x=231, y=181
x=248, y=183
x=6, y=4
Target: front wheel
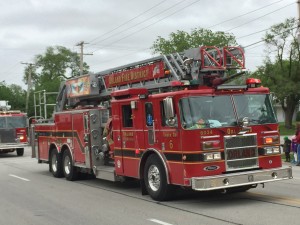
x=69, y=170
x=155, y=179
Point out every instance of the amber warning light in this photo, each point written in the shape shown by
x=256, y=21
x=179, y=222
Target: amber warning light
x=253, y=82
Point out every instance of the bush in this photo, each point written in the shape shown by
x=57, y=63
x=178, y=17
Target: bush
x=298, y=116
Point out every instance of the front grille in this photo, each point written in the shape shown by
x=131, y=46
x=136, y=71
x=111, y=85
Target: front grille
x=7, y=136
x=238, y=141
x=240, y=152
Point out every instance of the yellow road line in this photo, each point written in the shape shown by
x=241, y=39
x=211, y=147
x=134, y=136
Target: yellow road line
x=277, y=198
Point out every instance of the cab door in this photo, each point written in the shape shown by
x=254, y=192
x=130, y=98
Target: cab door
x=126, y=158
x=169, y=139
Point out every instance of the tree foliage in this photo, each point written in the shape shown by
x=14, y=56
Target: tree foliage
x=181, y=40
x=14, y=94
x=281, y=73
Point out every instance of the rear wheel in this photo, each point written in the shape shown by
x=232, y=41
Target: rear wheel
x=20, y=151
x=156, y=180
x=55, y=163
x=69, y=170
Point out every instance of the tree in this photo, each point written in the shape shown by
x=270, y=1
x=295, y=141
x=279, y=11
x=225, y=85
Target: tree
x=51, y=68
x=282, y=72
x=182, y=40
x=14, y=94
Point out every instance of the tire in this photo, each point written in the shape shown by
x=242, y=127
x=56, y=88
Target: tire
x=20, y=151
x=69, y=170
x=156, y=180
x=55, y=163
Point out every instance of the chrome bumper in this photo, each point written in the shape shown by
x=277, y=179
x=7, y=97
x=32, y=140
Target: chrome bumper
x=13, y=145
x=240, y=179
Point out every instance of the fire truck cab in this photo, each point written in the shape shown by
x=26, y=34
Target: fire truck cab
x=168, y=121
x=13, y=129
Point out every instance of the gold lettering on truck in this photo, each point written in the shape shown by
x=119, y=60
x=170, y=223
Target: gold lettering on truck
x=127, y=133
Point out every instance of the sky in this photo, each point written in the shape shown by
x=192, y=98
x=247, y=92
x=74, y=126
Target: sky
x=119, y=32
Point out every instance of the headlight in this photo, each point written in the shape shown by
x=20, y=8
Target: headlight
x=217, y=156
x=211, y=156
x=271, y=150
x=276, y=149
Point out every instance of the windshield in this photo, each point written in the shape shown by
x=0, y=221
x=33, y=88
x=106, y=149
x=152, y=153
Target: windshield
x=207, y=111
x=218, y=111
x=257, y=108
x=13, y=122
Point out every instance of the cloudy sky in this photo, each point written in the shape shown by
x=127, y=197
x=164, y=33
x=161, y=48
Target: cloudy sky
x=118, y=32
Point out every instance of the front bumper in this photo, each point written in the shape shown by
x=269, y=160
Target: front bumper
x=13, y=145
x=240, y=179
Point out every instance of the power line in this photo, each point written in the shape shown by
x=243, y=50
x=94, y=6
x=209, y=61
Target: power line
x=261, y=31
x=145, y=20
x=244, y=14
x=113, y=59
x=11, y=68
x=259, y=17
x=116, y=47
x=255, y=46
x=247, y=35
x=274, y=35
x=108, y=32
x=148, y=25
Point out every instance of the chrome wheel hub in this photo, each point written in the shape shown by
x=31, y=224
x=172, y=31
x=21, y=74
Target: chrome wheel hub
x=54, y=163
x=154, y=177
x=67, y=165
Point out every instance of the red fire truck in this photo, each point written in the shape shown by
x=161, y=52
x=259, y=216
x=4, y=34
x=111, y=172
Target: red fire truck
x=13, y=129
x=168, y=121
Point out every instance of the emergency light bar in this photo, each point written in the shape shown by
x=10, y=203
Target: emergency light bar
x=253, y=82
x=231, y=87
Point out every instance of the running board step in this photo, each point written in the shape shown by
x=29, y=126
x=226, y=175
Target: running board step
x=106, y=173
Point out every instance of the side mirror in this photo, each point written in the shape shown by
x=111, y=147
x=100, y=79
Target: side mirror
x=169, y=111
x=169, y=108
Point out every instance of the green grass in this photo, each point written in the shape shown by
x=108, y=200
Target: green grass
x=284, y=131
x=291, y=156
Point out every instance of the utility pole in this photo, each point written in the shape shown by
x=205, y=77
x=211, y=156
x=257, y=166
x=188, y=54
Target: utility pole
x=29, y=83
x=81, y=55
x=298, y=29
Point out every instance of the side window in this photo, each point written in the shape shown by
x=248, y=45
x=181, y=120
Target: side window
x=127, y=116
x=149, y=114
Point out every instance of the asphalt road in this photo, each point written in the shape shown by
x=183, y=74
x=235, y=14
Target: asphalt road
x=31, y=195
